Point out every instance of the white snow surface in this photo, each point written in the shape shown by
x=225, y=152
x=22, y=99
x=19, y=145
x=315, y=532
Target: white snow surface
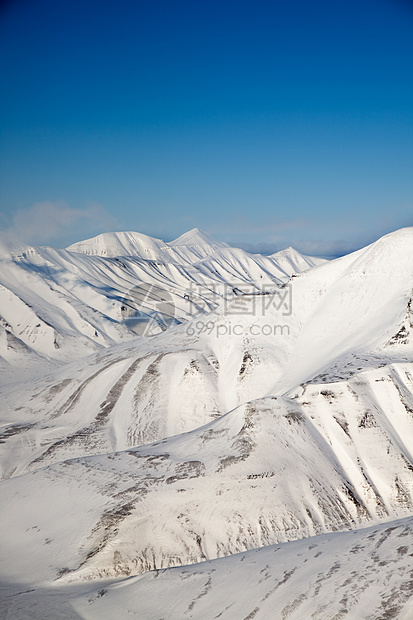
x=252, y=460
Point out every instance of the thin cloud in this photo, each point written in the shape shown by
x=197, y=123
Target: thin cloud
x=327, y=249
x=239, y=225
x=324, y=249
x=44, y=223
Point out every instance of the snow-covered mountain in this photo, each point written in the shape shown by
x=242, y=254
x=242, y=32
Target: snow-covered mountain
x=122, y=244
x=63, y=304
x=276, y=407
x=189, y=247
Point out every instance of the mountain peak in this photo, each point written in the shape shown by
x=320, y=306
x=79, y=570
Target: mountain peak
x=196, y=236
x=127, y=243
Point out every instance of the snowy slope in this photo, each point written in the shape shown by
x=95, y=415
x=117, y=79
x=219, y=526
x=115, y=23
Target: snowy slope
x=354, y=575
x=357, y=302
x=272, y=470
x=363, y=574
x=114, y=402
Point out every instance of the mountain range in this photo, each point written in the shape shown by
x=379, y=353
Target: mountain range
x=192, y=431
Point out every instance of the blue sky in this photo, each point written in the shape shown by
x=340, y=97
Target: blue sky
x=264, y=123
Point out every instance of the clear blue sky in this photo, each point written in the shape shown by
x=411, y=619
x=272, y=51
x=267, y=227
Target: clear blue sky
x=262, y=122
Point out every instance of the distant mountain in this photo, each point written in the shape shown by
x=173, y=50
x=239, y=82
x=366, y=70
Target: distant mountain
x=197, y=237
x=60, y=304
x=121, y=244
x=189, y=247
x=292, y=258
x=197, y=244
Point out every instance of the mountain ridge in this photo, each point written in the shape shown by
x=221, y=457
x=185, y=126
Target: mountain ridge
x=59, y=303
